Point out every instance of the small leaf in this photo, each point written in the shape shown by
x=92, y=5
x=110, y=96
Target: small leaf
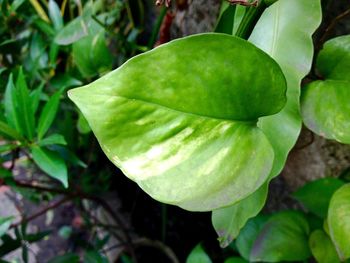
x=325, y=106
x=24, y=106
x=10, y=103
x=323, y=189
x=52, y=139
x=51, y=163
x=339, y=221
x=165, y=126
x=322, y=247
x=5, y=223
x=55, y=15
x=48, y=114
x=198, y=255
x=284, y=237
x=228, y=221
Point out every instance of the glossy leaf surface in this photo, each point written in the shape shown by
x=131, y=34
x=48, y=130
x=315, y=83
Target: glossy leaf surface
x=322, y=247
x=325, y=103
x=282, y=37
x=284, y=237
x=51, y=163
x=339, y=221
x=184, y=131
x=324, y=188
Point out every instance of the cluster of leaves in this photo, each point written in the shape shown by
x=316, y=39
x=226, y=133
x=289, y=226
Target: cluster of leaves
x=45, y=48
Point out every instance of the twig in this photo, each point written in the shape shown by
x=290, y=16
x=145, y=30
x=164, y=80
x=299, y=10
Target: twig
x=41, y=212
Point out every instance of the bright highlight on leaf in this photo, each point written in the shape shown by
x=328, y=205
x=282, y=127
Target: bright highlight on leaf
x=180, y=120
x=325, y=103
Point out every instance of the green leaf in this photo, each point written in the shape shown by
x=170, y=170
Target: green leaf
x=235, y=260
x=198, y=255
x=10, y=103
x=322, y=247
x=68, y=257
x=91, y=54
x=55, y=15
x=94, y=257
x=316, y=195
x=83, y=125
x=35, y=96
x=339, y=221
x=284, y=237
x=168, y=130
x=24, y=106
x=5, y=223
x=281, y=36
x=53, y=139
x=73, y=31
x=228, y=221
x=248, y=235
x=51, y=163
x=48, y=114
x=325, y=106
x=9, y=132
x=226, y=19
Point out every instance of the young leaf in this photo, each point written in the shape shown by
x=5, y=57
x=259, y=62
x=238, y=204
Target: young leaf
x=52, y=139
x=186, y=135
x=198, y=255
x=284, y=237
x=48, y=114
x=51, y=163
x=24, y=107
x=339, y=221
x=322, y=248
x=325, y=106
x=324, y=189
x=55, y=15
x=228, y=221
x=5, y=223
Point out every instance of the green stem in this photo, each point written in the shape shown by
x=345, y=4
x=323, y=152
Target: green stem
x=251, y=17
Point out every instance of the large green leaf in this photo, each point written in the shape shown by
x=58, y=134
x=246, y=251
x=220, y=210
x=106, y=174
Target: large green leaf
x=51, y=163
x=284, y=237
x=181, y=120
x=322, y=247
x=288, y=39
x=323, y=189
x=339, y=221
x=325, y=103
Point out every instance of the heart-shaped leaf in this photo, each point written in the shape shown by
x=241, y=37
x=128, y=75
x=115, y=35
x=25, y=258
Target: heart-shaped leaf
x=180, y=120
x=325, y=103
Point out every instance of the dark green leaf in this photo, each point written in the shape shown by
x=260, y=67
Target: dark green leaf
x=248, y=235
x=168, y=129
x=55, y=15
x=9, y=132
x=10, y=103
x=316, y=195
x=66, y=258
x=339, y=221
x=52, y=139
x=226, y=18
x=51, y=163
x=94, y=257
x=48, y=114
x=325, y=106
x=322, y=248
x=284, y=237
x=198, y=255
x=235, y=260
